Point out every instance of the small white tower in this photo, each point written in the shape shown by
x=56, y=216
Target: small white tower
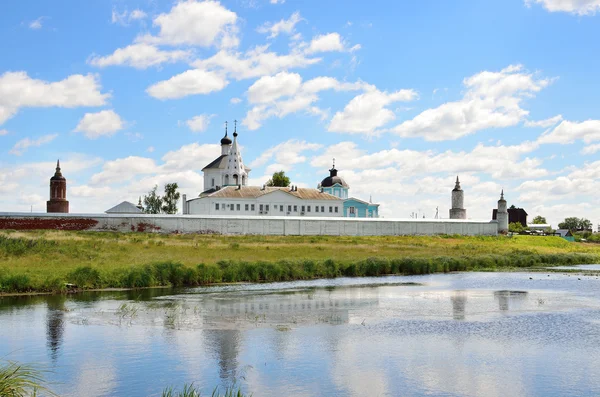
x=502, y=215
x=458, y=197
x=235, y=172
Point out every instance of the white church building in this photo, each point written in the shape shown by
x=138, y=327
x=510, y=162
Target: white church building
x=226, y=192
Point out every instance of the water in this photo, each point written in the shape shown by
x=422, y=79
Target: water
x=465, y=334
x=578, y=267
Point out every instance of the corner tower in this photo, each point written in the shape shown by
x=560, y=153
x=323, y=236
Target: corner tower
x=58, y=193
x=502, y=215
x=458, y=202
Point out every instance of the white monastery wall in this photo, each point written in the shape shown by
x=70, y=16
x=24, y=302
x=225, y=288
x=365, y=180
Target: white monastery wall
x=236, y=225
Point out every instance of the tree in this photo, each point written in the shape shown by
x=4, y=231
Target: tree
x=584, y=224
x=512, y=207
x=152, y=202
x=571, y=223
x=516, y=227
x=170, y=198
x=279, y=179
x=539, y=220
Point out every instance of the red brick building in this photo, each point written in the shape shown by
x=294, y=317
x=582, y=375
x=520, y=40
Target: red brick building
x=58, y=193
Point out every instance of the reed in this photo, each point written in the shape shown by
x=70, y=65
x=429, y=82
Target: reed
x=21, y=380
x=189, y=390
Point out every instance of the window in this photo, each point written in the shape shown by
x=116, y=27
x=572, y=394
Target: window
x=246, y=207
x=260, y=207
x=330, y=209
x=295, y=208
x=238, y=207
x=217, y=206
x=322, y=208
x=308, y=208
x=316, y=208
x=213, y=183
x=231, y=207
x=336, y=209
x=352, y=210
x=267, y=207
x=303, y=208
x=281, y=208
x=289, y=208
x=252, y=207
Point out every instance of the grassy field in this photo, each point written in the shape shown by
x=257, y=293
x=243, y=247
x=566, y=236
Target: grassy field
x=46, y=260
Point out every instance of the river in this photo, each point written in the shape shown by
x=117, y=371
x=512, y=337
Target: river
x=462, y=334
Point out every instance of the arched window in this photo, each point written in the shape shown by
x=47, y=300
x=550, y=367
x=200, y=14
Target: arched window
x=226, y=180
x=244, y=180
x=235, y=179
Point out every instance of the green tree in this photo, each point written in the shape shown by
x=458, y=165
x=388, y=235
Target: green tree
x=539, y=220
x=584, y=224
x=516, y=227
x=170, y=198
x=571, y=223
x=153, y=202
x=279, y=179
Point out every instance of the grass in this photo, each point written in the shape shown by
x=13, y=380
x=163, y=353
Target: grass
x=20, y=380
x=189, y=390
x=44, y=261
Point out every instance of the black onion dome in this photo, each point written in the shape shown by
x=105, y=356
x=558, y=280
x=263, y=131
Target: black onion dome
x=58, y=176
x=226, y=140
x=332, y=179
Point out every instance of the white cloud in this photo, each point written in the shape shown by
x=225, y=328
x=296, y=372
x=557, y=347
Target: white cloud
x=283, y=26
x=577, y=7
x=199, y=123
x=591, y=149
x=235, y=101
x=191, y=82
x=140, y=56
x=329, y=42
x=544, y=123
x=284, y=93
x=286, y=153
x=36, y=24
x=256, y=62
x=492, y=100
x=24, y=144
x=190, y=157
x=103, y=123
x=570, y=131
x=125, y=17
x=123, y=170
x=3, y=132
x=367, y=112
x=150, y=149
x=277, y=1
x=196, y=23
x=18, y=90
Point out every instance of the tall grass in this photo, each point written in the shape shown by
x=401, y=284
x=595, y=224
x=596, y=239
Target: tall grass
x=20, y=380
x=189, y=390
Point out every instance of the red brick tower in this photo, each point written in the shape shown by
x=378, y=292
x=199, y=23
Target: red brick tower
x=58, y=193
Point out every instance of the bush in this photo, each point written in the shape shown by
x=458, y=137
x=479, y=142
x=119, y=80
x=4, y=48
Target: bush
x=85, y=277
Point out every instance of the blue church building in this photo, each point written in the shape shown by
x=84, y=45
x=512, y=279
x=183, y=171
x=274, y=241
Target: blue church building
x=353, y=207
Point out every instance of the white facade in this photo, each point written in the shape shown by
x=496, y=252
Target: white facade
x=458, y=210
x=248, y=201
x=228, y=169
x=502, y=215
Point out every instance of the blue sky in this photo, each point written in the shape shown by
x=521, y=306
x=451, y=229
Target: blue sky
x=405, y=95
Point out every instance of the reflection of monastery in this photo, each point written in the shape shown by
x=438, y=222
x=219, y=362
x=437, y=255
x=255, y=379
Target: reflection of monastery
x=226, y=192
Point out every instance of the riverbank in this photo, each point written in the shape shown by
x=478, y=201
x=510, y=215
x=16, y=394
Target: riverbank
x=59, y=261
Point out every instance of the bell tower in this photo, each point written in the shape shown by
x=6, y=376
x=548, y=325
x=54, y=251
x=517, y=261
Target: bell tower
x=58, y=193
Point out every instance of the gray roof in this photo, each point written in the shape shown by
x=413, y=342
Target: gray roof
x=216, y=163
x=246, y=192
x=124, y=208
x=564, y=232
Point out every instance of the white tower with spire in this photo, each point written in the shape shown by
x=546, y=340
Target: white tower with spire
x=458, y=198
x=235, y=172
x=502, y=214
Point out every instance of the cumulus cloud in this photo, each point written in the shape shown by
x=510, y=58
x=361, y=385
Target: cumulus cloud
x=330, y=42
x=125, y=17
x=286, y=153
x=196, y=23
x=36, y=24
x=577, y=7
x=367, y=112
x=18, y=90
x=103, y=123
x=3, y=132
x=544, y=123
x=191, y=82
x=285, y=93
x=199, y=123
x=286, y=26
x=492, y=100
x=123, y=170
x=139, y=56
x=570, y=131
x=235, y=101
x=24, y=144
x=589, y=149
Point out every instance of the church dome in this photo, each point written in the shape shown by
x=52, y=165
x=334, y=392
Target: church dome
x=58, y=176
x=226, y=140
x=333, y=179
